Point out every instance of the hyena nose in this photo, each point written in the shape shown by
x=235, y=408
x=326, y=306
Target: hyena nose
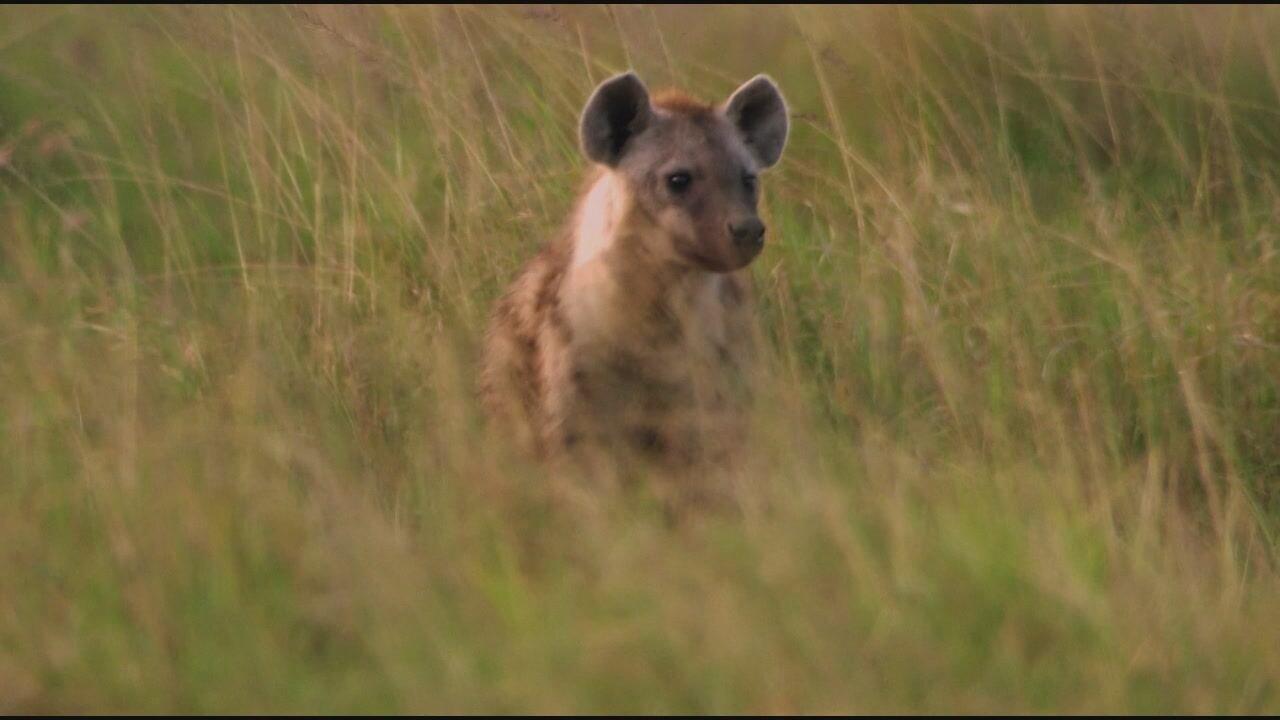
x=747, y=234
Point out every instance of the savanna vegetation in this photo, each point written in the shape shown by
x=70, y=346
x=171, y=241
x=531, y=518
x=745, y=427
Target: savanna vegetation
x=1019, y=450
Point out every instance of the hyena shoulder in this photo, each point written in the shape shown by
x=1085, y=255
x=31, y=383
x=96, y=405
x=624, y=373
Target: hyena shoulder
x=525, y=334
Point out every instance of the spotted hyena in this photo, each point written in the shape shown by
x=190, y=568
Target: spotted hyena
x=632, y=331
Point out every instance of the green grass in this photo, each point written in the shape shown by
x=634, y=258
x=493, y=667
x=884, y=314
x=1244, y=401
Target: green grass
x=1019, y=450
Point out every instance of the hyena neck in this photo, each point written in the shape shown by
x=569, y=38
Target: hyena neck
x=597, y=218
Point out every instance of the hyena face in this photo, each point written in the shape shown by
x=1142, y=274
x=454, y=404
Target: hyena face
x=689, y=169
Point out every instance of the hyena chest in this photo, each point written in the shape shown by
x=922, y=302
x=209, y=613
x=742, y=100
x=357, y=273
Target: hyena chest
x=670, y=384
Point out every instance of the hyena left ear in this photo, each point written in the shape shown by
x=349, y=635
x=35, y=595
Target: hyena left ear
x=760, y=114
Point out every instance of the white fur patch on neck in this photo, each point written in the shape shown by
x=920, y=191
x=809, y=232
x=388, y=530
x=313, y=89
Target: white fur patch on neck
x=597, y=219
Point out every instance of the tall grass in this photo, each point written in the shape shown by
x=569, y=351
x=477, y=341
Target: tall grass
x=1020, y=450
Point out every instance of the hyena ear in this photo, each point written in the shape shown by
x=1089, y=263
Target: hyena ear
x=760, y=114
x=617, y=111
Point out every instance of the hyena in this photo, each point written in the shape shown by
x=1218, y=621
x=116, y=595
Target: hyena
x=633, y=330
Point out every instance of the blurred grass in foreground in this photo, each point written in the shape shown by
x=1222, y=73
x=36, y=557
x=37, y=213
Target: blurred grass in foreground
x=1022, y=451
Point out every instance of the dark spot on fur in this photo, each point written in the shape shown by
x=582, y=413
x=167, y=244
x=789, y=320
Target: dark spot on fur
x=558, y=323
x=664, y=327
x=648, y=439
x=626, y=365
x=582, y=383
x=722, y=353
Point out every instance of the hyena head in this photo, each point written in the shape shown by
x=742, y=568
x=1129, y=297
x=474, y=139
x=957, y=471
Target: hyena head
x=688, y=168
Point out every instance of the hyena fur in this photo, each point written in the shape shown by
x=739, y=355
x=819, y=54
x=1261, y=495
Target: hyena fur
x=633, y=330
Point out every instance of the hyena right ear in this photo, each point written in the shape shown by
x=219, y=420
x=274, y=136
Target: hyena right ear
x=760, y=114
x=617, y=111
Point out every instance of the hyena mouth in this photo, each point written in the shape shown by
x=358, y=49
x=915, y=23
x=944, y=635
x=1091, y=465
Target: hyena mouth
x=721, y=262
x=746, y=254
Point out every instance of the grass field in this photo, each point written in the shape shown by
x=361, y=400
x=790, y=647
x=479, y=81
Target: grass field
x=1020, y=450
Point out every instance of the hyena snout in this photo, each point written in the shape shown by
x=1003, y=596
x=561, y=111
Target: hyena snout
x=747, y=234
x=748, y=238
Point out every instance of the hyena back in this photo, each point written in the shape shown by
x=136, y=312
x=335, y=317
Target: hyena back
x=633, y=329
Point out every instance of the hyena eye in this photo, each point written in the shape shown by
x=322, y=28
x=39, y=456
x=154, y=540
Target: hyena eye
x=749, y=181
x=679, y=181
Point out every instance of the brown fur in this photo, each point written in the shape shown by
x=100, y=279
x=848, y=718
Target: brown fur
x=633, y=348
x=681, y=102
